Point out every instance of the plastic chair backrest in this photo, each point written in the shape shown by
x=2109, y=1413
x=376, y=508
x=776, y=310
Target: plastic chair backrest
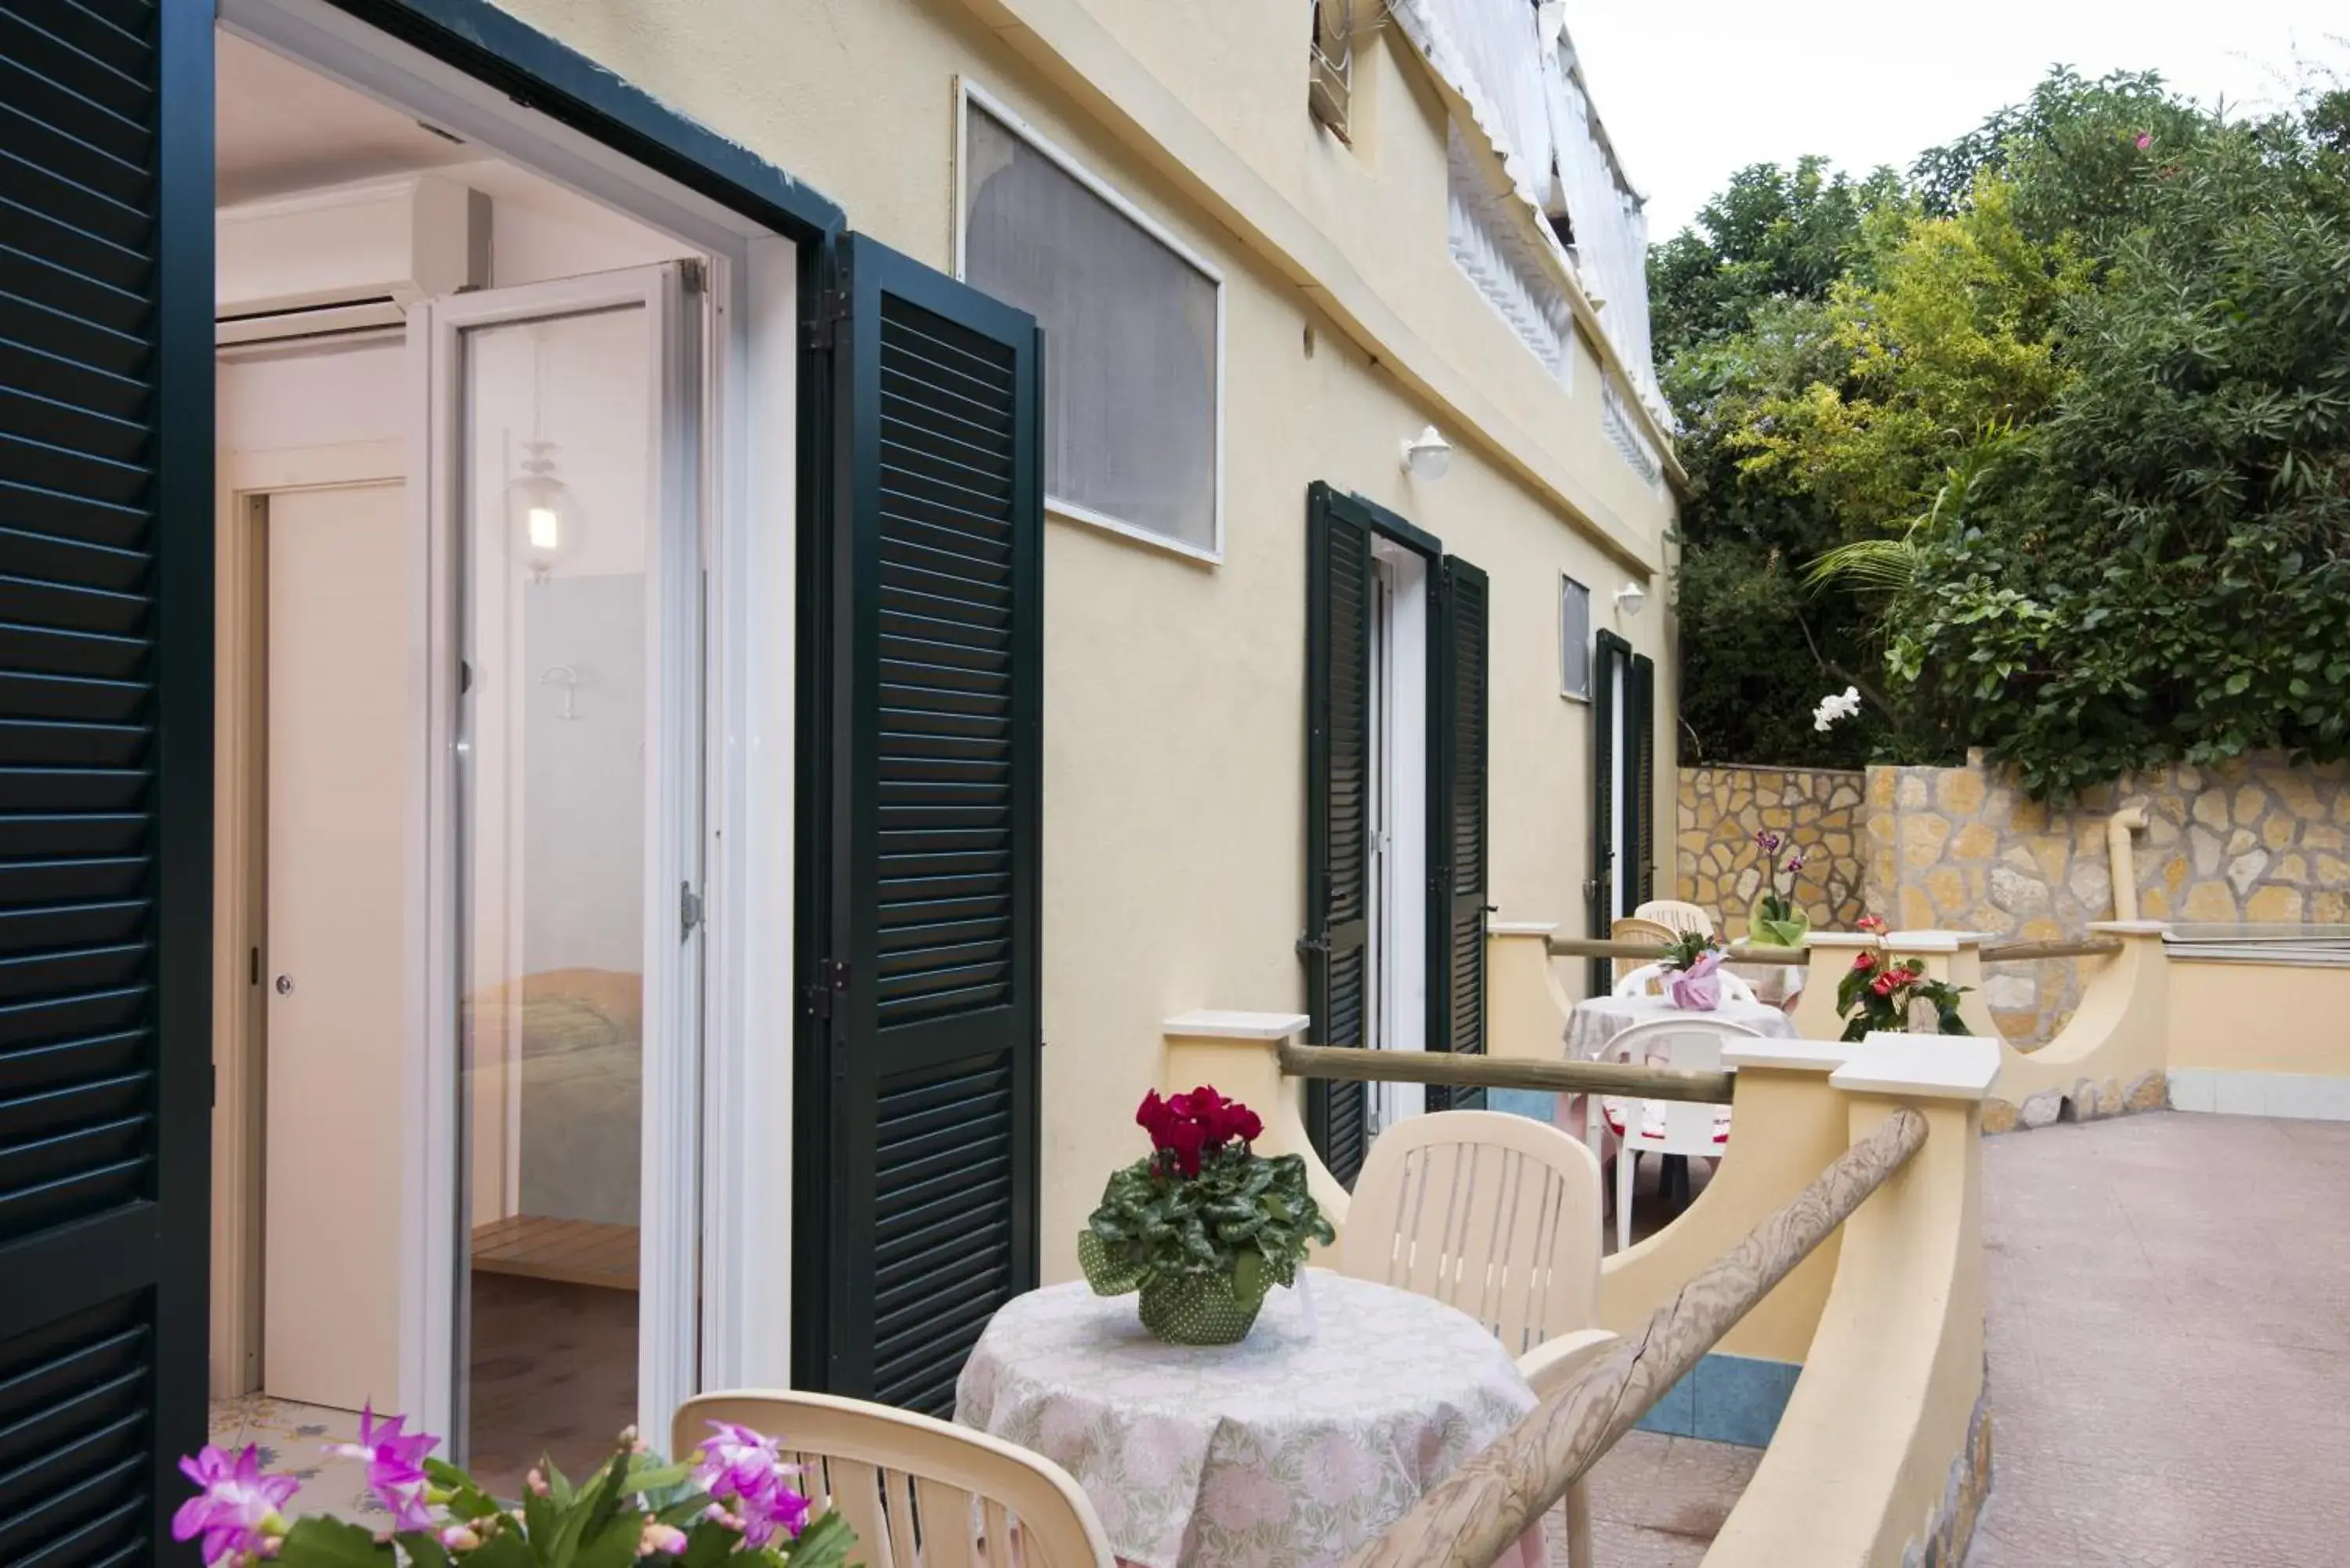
x=1496, y=1215
x=1648, y=980
x=1629, y=929
x=974, y=1501
x=1679, y=916
x=1690, y=1043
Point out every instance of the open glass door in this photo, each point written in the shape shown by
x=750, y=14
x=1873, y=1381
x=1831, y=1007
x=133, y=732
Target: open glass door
x=567, y=518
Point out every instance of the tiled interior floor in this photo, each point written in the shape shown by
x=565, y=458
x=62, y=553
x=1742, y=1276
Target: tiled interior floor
x=555, y=1372
x=2168, y=1343
x=1656, y=1503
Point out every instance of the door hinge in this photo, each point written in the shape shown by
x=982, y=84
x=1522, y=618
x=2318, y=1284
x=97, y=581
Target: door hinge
x=689, y=911
x=826, y=312
x=253, y=973
x=816, y=998
x=1310, y=945
x=690, y=275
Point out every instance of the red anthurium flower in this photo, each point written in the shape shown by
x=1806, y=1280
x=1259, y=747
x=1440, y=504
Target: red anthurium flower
x=1884, y=984
x=1864, y=962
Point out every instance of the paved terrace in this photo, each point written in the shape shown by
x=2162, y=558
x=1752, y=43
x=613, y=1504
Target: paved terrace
x=2169, y=1343
x=2169, y=1335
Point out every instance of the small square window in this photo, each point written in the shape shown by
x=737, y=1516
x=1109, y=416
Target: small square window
x=1573, y=639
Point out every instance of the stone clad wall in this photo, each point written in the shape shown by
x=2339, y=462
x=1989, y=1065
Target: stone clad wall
x=1961, y=848
x=1718, y=866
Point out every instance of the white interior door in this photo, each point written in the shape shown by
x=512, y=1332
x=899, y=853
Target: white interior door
x=1399, y=735
x=332, y=968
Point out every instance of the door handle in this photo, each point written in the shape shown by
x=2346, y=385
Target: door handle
x=284, y=985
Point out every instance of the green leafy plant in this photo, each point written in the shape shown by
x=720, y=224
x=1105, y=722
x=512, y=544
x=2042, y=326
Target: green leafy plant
x=1683, y=952
x=1874, y=997
x=732, y=1503
x=1202, y=1203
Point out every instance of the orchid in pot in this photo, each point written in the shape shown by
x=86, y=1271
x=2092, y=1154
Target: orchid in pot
x=732, y=1502
x=1777, y=921
x=1204, y=1226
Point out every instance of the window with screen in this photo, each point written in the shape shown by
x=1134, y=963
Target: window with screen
x=1573, y=638
x=1133, y=333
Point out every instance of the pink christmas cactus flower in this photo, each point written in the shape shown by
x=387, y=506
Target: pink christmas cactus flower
x=395, y=1466
x=236, y=1507
x=745, y=1474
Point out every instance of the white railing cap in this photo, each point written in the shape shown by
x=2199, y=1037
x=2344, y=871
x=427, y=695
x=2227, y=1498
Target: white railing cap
x=1520, y=927
x=1839, y=940
x=1216, y=1024
x=2130, y=928
x=1935, y=941
x=1797, y=1055
x=1921, y=1067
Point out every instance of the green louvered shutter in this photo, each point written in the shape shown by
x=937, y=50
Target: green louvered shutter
x=1640, y=731
x=1457, y=829
x=929, y=1108
x=106, y=542
x=1337, y=944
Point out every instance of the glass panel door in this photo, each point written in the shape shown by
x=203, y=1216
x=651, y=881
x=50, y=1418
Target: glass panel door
x=571, y=529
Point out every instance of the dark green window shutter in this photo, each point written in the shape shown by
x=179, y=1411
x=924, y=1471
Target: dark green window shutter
x=106, y=658
x=931, y=1048
x=1640, y=731
x=1337, y=945
x=1608, y=654
x=1457, y=829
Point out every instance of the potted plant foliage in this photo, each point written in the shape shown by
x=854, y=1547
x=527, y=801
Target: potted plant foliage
x=1878, y=995
x=732, y=1504
x=1204, y=1225
x=1692, y=966
x=1777, y=921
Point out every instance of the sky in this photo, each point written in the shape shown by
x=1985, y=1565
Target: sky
x=1692, y=91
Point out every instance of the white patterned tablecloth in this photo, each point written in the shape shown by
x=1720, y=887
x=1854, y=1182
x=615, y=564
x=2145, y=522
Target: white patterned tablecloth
x=1296, y=1447
x=1592, y=1027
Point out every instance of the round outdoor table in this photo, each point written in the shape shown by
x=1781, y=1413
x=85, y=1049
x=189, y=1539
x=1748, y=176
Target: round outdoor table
x=1298, y=1446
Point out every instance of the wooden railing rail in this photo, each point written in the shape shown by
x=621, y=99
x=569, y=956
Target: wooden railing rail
x=1488, y=1073
x=2025, y=952
x=1473, y=1515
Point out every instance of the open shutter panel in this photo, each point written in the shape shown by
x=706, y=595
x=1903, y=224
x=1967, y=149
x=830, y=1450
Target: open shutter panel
x=1457, y=829
x=1338, y=824
x=937, y=723
x=106, y=543
x=1606, y=652
x=1640, y=732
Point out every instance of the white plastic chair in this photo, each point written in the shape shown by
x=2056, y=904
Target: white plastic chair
x=974, y=1501
x=1648, y=980
x=1679, y=916
x=1689, y=1043
x=1497, y=1216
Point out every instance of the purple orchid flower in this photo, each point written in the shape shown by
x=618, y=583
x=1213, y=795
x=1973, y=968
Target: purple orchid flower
x=395, y=1471
x=236, y=1507
x=741, y=1468
x=1794, y=863
x=1769, y=840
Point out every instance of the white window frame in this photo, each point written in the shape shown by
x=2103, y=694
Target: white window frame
x=969, y=93
x=1567, y=580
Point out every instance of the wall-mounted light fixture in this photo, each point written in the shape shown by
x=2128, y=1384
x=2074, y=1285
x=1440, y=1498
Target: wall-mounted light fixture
x=1427, y=455
x=545, y=517
x=1629, y=598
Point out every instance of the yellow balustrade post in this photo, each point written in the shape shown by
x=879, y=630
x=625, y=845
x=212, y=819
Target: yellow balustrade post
x=1884, y=1445
x=1831, y=954
x=1238, y=1054
x=1525, y=1007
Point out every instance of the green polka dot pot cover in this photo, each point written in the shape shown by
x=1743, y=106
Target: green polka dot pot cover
x=1182, y=1309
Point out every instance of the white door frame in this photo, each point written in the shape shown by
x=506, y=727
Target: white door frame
x=1400, y=633
x=753, y=375
x=244, y=479
x=667, y=1281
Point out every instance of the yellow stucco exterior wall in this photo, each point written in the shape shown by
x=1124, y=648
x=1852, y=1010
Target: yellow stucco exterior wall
x=1174, y=708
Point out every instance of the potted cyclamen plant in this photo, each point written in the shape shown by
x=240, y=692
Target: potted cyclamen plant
x=732, y=1504
x=1204, y=1225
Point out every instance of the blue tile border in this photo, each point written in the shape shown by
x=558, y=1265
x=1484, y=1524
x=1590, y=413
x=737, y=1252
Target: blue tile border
x=1727, y=1399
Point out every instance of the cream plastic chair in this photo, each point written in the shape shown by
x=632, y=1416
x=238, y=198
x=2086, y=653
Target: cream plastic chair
x=1632, y=930
x=1498, y=1216
x=1676, y=916
x=1690, y=1043
x=1648, y=980
x=894, y=1474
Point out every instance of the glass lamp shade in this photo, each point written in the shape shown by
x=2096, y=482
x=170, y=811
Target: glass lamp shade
x=542, y=512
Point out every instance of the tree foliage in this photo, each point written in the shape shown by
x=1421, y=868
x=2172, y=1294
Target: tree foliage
x=2066, y=422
